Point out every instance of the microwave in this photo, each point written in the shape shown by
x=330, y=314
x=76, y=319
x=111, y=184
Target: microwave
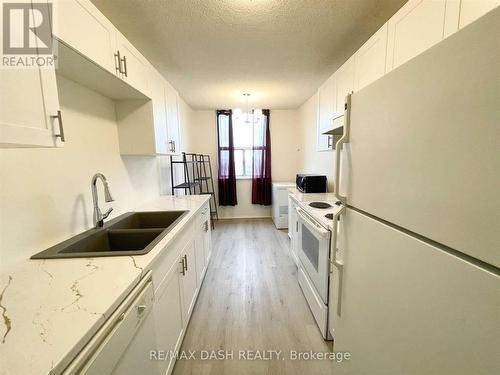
x=311, y=183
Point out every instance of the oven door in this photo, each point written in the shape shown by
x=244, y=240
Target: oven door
x=313, y=252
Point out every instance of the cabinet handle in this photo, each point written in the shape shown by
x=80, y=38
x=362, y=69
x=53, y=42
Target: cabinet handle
x=124, y=59
x=173, y=146
x=118, y=64
x=183, y=270
x=185, y=262
x=61, y=128
x=206, y=226
x=329, y=145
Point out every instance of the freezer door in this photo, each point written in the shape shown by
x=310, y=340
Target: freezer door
x=410, y=308
x=425, y=139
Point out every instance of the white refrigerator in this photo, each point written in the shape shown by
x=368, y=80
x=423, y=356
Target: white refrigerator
x=415, y=285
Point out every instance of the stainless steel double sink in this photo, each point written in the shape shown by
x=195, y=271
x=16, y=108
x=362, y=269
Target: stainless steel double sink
x=133, y=233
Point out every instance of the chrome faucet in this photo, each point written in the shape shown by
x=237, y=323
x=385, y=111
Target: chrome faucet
x=98, y=215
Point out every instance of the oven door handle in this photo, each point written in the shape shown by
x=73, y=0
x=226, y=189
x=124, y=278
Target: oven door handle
x=314, y=226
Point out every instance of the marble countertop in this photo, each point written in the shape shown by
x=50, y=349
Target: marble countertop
x=51, y=308
x=303, y=200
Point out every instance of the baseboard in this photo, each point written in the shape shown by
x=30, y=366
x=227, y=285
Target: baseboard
x=245, y=217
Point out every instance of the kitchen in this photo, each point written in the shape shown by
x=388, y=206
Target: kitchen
x=249, y=187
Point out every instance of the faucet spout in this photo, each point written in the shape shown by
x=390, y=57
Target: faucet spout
x=98, y=215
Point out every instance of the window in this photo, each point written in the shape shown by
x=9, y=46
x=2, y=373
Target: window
x=243, y=143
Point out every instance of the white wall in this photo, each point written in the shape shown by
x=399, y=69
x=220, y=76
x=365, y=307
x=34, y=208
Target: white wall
x=45, y=194
x=312, y=161
x=200, y=136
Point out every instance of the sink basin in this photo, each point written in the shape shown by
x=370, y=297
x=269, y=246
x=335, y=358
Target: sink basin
x=143, y=220
x=133, y=233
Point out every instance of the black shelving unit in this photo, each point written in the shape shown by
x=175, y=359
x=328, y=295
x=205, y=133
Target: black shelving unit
x=198, y=179
x=206, y=181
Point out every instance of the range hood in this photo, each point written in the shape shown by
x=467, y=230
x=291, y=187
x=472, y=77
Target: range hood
x=338, y=126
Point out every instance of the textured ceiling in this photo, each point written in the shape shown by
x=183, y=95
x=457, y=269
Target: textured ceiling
x=280, y=51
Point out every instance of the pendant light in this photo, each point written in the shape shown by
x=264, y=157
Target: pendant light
x=247, y=96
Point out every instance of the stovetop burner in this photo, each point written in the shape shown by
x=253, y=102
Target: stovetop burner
x=320, y=205
x=329, y=216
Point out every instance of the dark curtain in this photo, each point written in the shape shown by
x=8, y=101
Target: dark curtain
x=226, y=174
x=261, y=172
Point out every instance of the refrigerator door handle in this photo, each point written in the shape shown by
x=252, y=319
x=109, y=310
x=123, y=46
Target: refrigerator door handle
x=339, y=265
x=338, y=147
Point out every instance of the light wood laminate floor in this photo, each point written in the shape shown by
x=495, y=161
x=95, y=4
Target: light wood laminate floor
x=250, y=300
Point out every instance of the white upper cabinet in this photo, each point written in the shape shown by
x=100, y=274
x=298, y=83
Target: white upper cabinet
x=81, y=26
x=159, y=113
x=29, y=108
x=471, y=10
x=98, y=40
x=326, y=97
x=326, y=103
x=173, y=119
x=417, y=26
x=133, y=67
x=150, y=127
x=344, y=85
x=369, y=60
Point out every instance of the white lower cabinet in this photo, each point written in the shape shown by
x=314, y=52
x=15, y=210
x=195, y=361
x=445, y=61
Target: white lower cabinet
x=189, y=281
x=145, y=331
x=200, y=257
x=168, y=318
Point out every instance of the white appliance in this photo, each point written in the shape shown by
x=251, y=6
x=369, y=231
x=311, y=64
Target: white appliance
x=280, y=203
x=314, y=219
x=417, y=287
x=122, y=345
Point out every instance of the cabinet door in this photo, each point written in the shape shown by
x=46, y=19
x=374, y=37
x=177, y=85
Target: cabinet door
x=168, y=316
x=159, y=112
x=369, y=60
x=326, y=97
x=132, y=64
x=188, y=280
x=417, y=26
x=344, y=85
x=29, y=100
x=471, y=10
x=94, y=37
x=200, y=254
x=173, y=131
x=207, y=240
